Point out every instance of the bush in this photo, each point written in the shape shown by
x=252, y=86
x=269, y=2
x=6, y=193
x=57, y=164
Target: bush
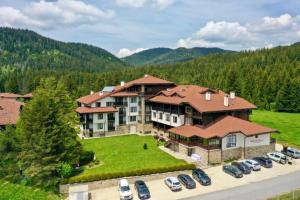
x=145, y=146
x=86, y=157
x=139, y=172
x=65, y=170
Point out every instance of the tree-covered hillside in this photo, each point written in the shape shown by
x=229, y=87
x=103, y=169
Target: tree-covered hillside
x=270, y=78
x=160, y=56
x=19, y=48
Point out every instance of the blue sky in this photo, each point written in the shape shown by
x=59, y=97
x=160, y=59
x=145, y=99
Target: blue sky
x=127, y=26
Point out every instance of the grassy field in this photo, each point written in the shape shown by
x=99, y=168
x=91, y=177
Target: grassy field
x=126, y=153
x=294, y=195
x=9, y=191
x=287, y=123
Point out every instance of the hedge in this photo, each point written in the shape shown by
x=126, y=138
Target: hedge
x=139, y=172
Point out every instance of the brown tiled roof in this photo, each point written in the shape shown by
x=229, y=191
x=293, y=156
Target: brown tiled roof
x=9, y=111
x=10, y=95
x=124, y=94
x=145, y=80
x=85, y=110
x=221, y=128
x=195, y=96
x=29, y=95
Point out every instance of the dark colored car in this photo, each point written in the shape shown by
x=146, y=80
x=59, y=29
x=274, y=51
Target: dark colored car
x=263, y=161
x=233, y=171
x=242, y=166
x=200, y=176
x=142, y=190
x=187, y=181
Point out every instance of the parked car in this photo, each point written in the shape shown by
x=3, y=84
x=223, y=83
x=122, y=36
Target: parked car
x=124, y=190
x=187, y=181
x=278, y=157
x=233, y=171
x=142, y=189
x=242, y=166
x=173, y=183
x=294, y=153
x=264, y=161
x=255, y=166
x=200, y=176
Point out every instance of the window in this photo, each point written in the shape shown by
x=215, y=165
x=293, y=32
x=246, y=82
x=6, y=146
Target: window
x=100, y=116
x=231, y=141
x=256, y=136
x=100, y=126
x=154, y=114
x=214, y=141
x=133, y=99
x=167, y=117
x=98, y=104
x=133, y=109
x=160, y=115
x=109, y=104
x=174, y=119
x=133, y=118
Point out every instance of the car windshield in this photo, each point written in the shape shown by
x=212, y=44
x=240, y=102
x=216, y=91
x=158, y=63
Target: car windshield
x=176, y=183
x=297, y=152
x=143, y=189
x=125, y=188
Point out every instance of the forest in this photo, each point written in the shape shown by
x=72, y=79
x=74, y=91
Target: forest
x=270, y=78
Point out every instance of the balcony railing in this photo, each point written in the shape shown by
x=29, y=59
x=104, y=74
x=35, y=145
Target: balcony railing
x=198, y=144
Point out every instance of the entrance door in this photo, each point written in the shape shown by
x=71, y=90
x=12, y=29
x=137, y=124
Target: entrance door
x=132, y=129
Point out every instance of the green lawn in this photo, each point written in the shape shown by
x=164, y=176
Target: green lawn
x=294, y=195
x=9, y=191
x=287, y=123
x=126, y=153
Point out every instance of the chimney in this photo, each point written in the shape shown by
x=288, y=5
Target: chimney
x=226, y=100
x=92, y=92
x=100, y=93
x=207, y=96
x=232, y=95
x=146, y=75
x=122, y=83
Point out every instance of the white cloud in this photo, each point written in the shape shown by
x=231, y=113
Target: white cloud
x=267, y=32
x=161, y=4
x=131, y=3
x=126, y=52
x=50, y=15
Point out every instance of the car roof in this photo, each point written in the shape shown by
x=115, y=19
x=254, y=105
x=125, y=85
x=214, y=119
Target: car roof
x=124, y=182
x=172, y=178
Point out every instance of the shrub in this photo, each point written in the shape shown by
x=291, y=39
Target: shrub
x=138, y=172
x=86, y=157
x=145, y=146
x=65, y=170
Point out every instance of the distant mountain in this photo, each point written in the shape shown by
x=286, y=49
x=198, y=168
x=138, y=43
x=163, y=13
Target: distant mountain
x=19, y=47
x=166, y=55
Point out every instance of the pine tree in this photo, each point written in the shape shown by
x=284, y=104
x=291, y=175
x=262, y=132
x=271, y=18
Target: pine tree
x=47, y=128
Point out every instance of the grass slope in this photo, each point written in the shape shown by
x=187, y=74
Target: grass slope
x=126, y=153
x=287, y=123
x=9, y=191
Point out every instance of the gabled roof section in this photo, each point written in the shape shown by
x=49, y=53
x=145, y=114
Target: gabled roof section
x=9, y=111
x=222, y=127
x=10, y=95
x=195, y=96
x=145, y=80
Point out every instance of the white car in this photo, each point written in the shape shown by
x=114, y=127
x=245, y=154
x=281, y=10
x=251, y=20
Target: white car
x=173, y=183
x=255, y=166
x=294, y=153
x=124, y=190
x=278, y=157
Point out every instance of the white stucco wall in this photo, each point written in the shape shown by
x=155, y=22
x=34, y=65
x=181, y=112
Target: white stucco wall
x=251, y=141
x=180, y=118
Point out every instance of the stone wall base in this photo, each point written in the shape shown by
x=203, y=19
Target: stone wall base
x=259, y=150
x=232, y=154
x=144, y=128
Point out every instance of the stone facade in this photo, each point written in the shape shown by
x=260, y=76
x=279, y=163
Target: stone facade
x=214, y=156
x=259, y=150
x=232, y=154
x=144, y=128
x=121, y=130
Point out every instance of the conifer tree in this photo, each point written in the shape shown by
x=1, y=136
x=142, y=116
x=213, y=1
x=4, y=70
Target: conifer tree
x=48, y=132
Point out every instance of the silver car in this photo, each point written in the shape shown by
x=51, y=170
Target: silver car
x=255, y=166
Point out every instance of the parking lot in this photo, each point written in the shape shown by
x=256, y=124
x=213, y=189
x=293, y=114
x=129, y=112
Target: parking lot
x=220, y=181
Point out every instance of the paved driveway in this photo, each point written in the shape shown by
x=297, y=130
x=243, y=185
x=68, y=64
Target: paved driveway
x=255, y=191
x=220, y=181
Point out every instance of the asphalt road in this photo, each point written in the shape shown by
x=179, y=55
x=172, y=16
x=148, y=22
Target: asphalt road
x=256, y=191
